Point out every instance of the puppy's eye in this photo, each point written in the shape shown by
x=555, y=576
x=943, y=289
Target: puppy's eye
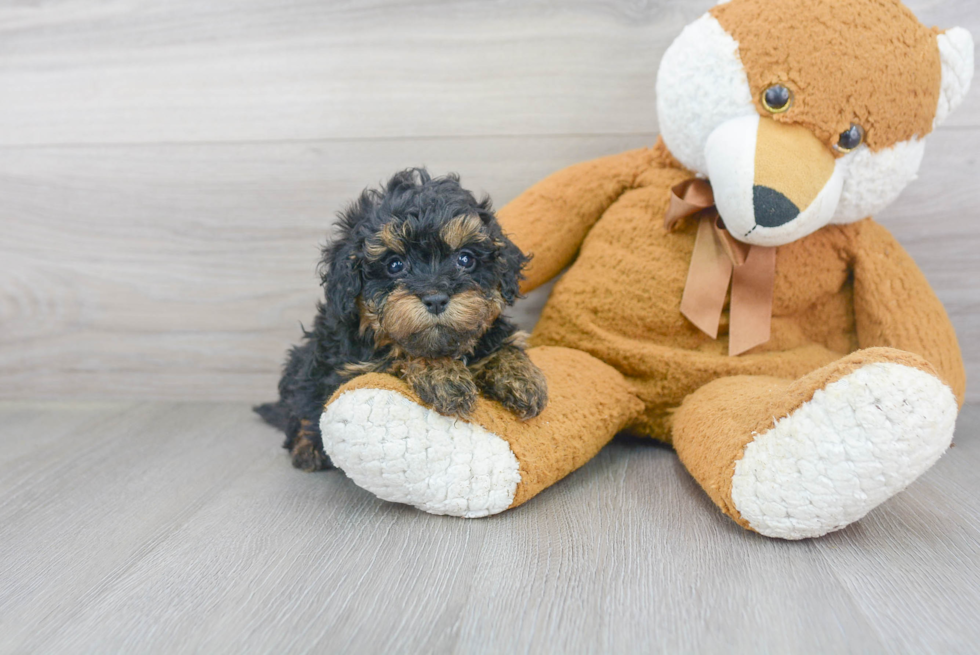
x=850, y=139
x=395, y=267
x=777, y=99
x=465, y=260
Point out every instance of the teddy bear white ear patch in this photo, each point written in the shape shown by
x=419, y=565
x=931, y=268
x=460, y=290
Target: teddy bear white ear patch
x=956, y=54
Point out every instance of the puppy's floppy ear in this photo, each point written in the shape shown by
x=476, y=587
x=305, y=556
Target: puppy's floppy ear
x=340, y=266
x=510, y=261
x=341, y=278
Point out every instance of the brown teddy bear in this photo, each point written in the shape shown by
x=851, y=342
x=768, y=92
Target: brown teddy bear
x=726, y=291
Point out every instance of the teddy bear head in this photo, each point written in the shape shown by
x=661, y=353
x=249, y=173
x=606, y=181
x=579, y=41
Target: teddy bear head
x=804, y=113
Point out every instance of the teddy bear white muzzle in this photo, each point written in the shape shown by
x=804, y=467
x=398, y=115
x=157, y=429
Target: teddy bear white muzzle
x=773, y=183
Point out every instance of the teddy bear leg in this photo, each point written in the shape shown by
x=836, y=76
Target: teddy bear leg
x=798, y=459
x=384, y=439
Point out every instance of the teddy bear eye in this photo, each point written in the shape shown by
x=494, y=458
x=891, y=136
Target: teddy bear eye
x=850, y=139
x=777, y=99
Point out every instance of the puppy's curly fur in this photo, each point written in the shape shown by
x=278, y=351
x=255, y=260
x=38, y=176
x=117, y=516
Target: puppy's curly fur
x=415, y=284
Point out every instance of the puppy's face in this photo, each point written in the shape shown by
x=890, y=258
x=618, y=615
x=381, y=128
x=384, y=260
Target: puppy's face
x=421, y=266
x=432, y=284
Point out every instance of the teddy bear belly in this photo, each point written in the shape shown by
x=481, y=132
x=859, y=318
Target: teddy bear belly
x=620, y=302
x=662, y=372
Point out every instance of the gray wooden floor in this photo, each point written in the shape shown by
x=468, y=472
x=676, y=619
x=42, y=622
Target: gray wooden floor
x=163, y=527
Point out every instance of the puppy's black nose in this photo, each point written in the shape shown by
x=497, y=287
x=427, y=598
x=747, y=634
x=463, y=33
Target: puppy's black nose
x=436, y=303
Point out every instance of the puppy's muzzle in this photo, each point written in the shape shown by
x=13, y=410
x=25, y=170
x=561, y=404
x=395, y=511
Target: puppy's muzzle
x=436, y=324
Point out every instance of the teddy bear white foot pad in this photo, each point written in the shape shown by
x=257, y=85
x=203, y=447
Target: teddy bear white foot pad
x=406, y=453
x=856, y=443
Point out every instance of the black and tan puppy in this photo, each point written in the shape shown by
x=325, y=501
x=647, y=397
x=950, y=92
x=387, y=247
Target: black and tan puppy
x=415, y=283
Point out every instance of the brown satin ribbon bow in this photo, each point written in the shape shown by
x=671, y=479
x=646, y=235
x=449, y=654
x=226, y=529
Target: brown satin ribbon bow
x=717, y=259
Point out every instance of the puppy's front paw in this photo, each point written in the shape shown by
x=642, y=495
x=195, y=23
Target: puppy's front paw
x=446, y=385
x=511, y=378
x=309, y=456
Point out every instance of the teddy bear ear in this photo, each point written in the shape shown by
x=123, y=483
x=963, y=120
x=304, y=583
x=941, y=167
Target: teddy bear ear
x=956, y=54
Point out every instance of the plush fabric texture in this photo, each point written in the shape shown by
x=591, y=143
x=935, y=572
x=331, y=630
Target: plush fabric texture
x=701, y=84
x=714, y=424
x=840, y=289
x=856, y=443
x=405, y=453
x=752, y=154
x=862, y=376
x=704, y=92
x=873, y=180
x=956, y=54
x=826, y=52
x=789, y=159
x=588, y=402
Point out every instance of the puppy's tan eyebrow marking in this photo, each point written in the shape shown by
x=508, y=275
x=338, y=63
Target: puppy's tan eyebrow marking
x=393, y=237
x=462, y=230
x=389, y=238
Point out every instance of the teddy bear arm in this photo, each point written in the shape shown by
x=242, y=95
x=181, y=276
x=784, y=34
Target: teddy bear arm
x=895, y=306
x=551, y=219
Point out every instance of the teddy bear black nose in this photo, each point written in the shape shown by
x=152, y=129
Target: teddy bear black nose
x=435, y=302
x=772, y=208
